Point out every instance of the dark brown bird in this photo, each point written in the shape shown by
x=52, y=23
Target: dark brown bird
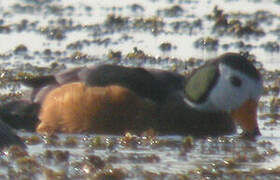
x=8, y=137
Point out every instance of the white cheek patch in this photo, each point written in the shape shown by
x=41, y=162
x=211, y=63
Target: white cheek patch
x=226, y=97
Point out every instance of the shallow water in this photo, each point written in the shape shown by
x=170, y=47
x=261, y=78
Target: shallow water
x=44, y=36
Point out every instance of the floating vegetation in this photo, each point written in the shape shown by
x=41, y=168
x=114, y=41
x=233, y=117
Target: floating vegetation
x=209, y=44
x=166, y=46
x=45, y=36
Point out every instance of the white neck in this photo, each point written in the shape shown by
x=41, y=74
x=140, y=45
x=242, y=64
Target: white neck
x=226, y=97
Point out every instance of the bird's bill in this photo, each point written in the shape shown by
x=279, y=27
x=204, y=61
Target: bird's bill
x=246, y=117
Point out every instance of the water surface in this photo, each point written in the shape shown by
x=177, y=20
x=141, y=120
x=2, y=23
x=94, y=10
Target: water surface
x=44, y=36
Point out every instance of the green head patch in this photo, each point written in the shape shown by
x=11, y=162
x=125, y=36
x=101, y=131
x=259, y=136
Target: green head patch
x=200, y=83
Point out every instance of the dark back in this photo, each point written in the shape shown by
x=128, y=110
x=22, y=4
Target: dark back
x=149, y=83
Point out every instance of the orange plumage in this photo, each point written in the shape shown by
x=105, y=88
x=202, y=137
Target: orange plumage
x=75, y=108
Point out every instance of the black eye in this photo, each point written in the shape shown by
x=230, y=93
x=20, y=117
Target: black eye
x=235, y=81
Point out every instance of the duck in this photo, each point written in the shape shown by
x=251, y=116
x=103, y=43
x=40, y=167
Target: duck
x=8, y=137
x=113, y=99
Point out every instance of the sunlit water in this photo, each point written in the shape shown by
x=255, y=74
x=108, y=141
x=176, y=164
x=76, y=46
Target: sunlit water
x=89, y=13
